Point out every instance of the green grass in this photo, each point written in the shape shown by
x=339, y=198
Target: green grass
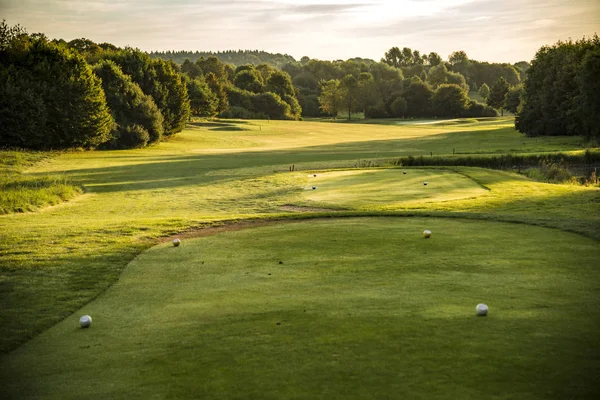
x=345, y=308
x=57, y=260
x=365, y=188
x=21, y=193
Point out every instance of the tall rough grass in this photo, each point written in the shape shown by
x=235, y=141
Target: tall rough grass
x=21, y=193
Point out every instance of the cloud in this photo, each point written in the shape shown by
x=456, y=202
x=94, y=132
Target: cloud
x=509, y=30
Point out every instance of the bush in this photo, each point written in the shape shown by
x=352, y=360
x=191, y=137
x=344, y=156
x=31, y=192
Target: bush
x=239, y=113
x=476, y=109
x=129, y=106
x=376, y=111
x=398, y=107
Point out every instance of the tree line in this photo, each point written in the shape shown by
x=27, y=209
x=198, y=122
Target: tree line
x=79, y=94
x=561, y=95
x=233, y=57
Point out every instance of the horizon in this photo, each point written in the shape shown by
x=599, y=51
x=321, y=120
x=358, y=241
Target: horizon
x=505, y=33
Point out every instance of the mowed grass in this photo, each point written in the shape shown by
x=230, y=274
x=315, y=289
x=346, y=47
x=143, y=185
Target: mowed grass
x=368, y=188
x=56, y=260
x=342, y=308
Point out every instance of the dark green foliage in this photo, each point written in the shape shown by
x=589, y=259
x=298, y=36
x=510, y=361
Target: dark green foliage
x=22, y=113
x=158, y=79
x=235, y=57
x=215, y=66
x=279, y=82
x=561, y=91
x=218, y=89
x=449, y=101
x=261, y=105
x=60, y=91
x=131, y=137
x=476, y=109
x=192, y=69
x=398, y=107
x=484, y=91
x=203, y=102
x=418, y=99
x=250, y=80
x=506, y=161
x=378, y=110
x=498, y=93
x=513, y=98
x=589, y=82
x=129, y=107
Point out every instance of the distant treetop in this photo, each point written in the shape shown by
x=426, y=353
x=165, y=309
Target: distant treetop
x=234, y=57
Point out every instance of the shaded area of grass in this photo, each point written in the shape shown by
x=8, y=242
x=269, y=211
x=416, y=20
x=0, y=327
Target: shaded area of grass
x=21, y=192
x=352, y=308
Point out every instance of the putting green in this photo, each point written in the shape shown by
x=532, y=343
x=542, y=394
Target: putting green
x=342, y=308
x=390, y=187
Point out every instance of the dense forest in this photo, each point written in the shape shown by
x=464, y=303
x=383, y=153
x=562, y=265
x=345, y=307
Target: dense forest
x=58, y=94
x=233, y=57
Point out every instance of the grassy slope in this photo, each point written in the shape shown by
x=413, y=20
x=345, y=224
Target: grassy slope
x=20, y=193
x=56, y=260
x=347, y=308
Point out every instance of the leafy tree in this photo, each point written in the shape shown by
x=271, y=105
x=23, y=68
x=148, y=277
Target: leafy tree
x=497, y=94
x=193, y=70
x=450, y=101
x=349, y=92
x=418, y=99
x=218, y=89
x=9, y=33
x=132, y=110
x=280, y=82
x=458, y=57
x=398, y=107
x=214, y=65
x=434, y=59
x=513, y=98
x=330, y=97
x=158, y=79
x=173, y=100
x=203, y=102
x=367, y=91
x=589, y=84
x=393, y=57
x=76, y=111
x=484, y=91
x=249, y=79
x=23, y=113
x=387, y=80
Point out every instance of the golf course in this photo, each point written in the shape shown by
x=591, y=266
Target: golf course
x=302, y=272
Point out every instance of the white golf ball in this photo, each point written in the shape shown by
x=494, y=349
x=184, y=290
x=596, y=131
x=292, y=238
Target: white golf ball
x=176, y=242
x=314, y=187
x=427, y=234
x=404, y=172
x=85, y=321
x=425, y=183
x=481, y=310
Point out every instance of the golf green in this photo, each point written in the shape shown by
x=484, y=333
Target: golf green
x=334, y=308
x=362, y=188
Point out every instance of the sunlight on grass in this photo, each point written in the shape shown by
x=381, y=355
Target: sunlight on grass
x=201, y=176
x=290, y=310
x=363, y=189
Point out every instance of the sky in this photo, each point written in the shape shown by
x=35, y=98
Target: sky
x=487, y=30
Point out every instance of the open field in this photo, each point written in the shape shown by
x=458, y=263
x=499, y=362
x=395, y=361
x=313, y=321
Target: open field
x=349, y=308
x=58, y=259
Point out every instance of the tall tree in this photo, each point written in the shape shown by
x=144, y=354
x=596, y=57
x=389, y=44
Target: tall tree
x=450, y=101
x=76, y=113
x=349, y=91
x=203, y=102
x=498, y=93
x=330, y=97
x=129, y=106
x=513, y=98
x=484, y=91
x=458, y=57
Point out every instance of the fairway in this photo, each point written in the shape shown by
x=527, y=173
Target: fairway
x=391, y=187
x=342, y=308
